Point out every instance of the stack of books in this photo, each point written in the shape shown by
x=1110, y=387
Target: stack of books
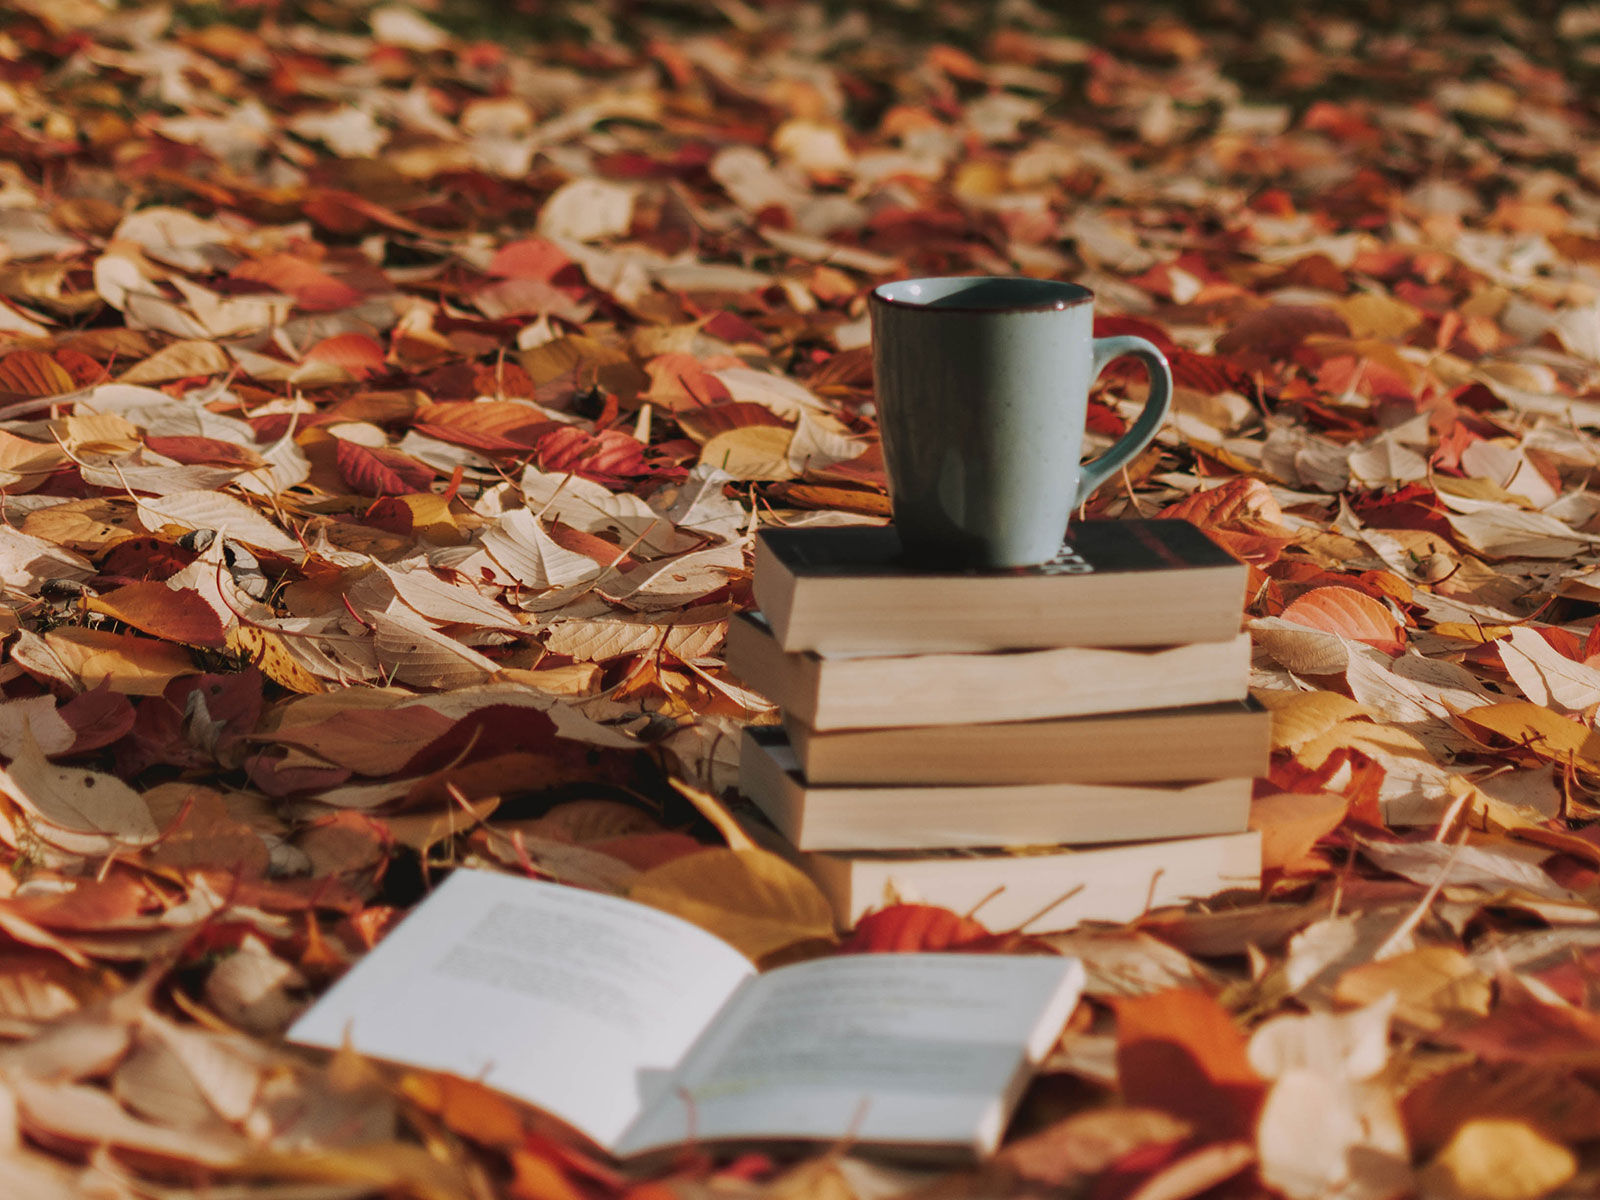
x=1044, y=745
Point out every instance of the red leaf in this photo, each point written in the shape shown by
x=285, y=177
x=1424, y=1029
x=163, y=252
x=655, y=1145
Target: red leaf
x=98, y=717
x=379, y=471
x=1104, y=419
x=909, y=928
x=175, y=614
x=610, y=457
x=83, y=369
x=188, y=450
x=1349, y=614
x=313, y=289
x=145, y=558
x=356, y=353
x=1201, y=372
x=232, y=701
x=1180, y=1051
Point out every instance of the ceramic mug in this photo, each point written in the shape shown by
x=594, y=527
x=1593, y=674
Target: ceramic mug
x=982, y=393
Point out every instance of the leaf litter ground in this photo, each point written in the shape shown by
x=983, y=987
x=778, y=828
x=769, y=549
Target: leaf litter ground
x=387, y=401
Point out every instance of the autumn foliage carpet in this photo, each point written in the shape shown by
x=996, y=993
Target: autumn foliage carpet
x=387, y=401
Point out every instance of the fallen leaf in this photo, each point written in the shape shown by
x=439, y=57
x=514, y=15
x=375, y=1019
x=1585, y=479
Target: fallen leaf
x=1498, y=1159
x=1179, y=1051
x=750, y=898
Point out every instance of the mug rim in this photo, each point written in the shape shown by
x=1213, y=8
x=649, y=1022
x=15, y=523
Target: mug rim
x=1074, y=295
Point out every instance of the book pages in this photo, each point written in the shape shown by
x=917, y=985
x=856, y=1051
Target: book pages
x=577, y=1002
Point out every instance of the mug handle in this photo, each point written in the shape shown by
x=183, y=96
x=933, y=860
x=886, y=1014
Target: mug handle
x=1095, y=472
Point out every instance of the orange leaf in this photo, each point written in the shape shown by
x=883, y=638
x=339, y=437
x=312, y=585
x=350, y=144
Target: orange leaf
x=1180, y=1051
x=682, y=381
x=1239, y=503
x=1240, y=516
x=34, y=373
x=379, y=471
x=909, y=928
x=175, y=614
x=1351, y=614
x=1292, y=823
x=531, y=258
x=312, y=288
x=484, y=424
x=355, y=353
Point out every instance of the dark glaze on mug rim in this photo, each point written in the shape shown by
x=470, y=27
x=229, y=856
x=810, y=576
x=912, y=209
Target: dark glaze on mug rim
x=1077, y=294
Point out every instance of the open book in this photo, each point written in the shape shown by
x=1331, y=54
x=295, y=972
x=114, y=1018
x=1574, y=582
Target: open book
x=643, y=1032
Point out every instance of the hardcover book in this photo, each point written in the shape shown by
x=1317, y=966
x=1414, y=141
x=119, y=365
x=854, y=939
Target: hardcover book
x=849, y=691
x=1115, y=583
x=642, y=1032
x=1163, y=745
x=888, y=816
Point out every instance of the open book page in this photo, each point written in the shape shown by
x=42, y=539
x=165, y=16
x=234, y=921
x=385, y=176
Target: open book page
x=892, y=1048
x=577, y=1002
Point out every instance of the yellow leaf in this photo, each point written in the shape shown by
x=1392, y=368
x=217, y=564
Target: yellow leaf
x=266, y=650
x=135, y=666
x=1300, y=717
x=24, y=464
x=751, y=452
x=97, y=432
x=86, y=526
x=1434, y=985
x=81, y=810
x=180, y=361
x=431, y=517
x=1535, y=728
x=752, y=899
x=1372, y=315
x=1491, y=1159
x=1364, y=736
x=1477, y=634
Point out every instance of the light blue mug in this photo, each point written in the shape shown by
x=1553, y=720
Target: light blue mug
x=982, y=388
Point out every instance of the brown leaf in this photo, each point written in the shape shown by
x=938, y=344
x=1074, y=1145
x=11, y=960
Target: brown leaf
x=1554, y=1102
x=1279, y=328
